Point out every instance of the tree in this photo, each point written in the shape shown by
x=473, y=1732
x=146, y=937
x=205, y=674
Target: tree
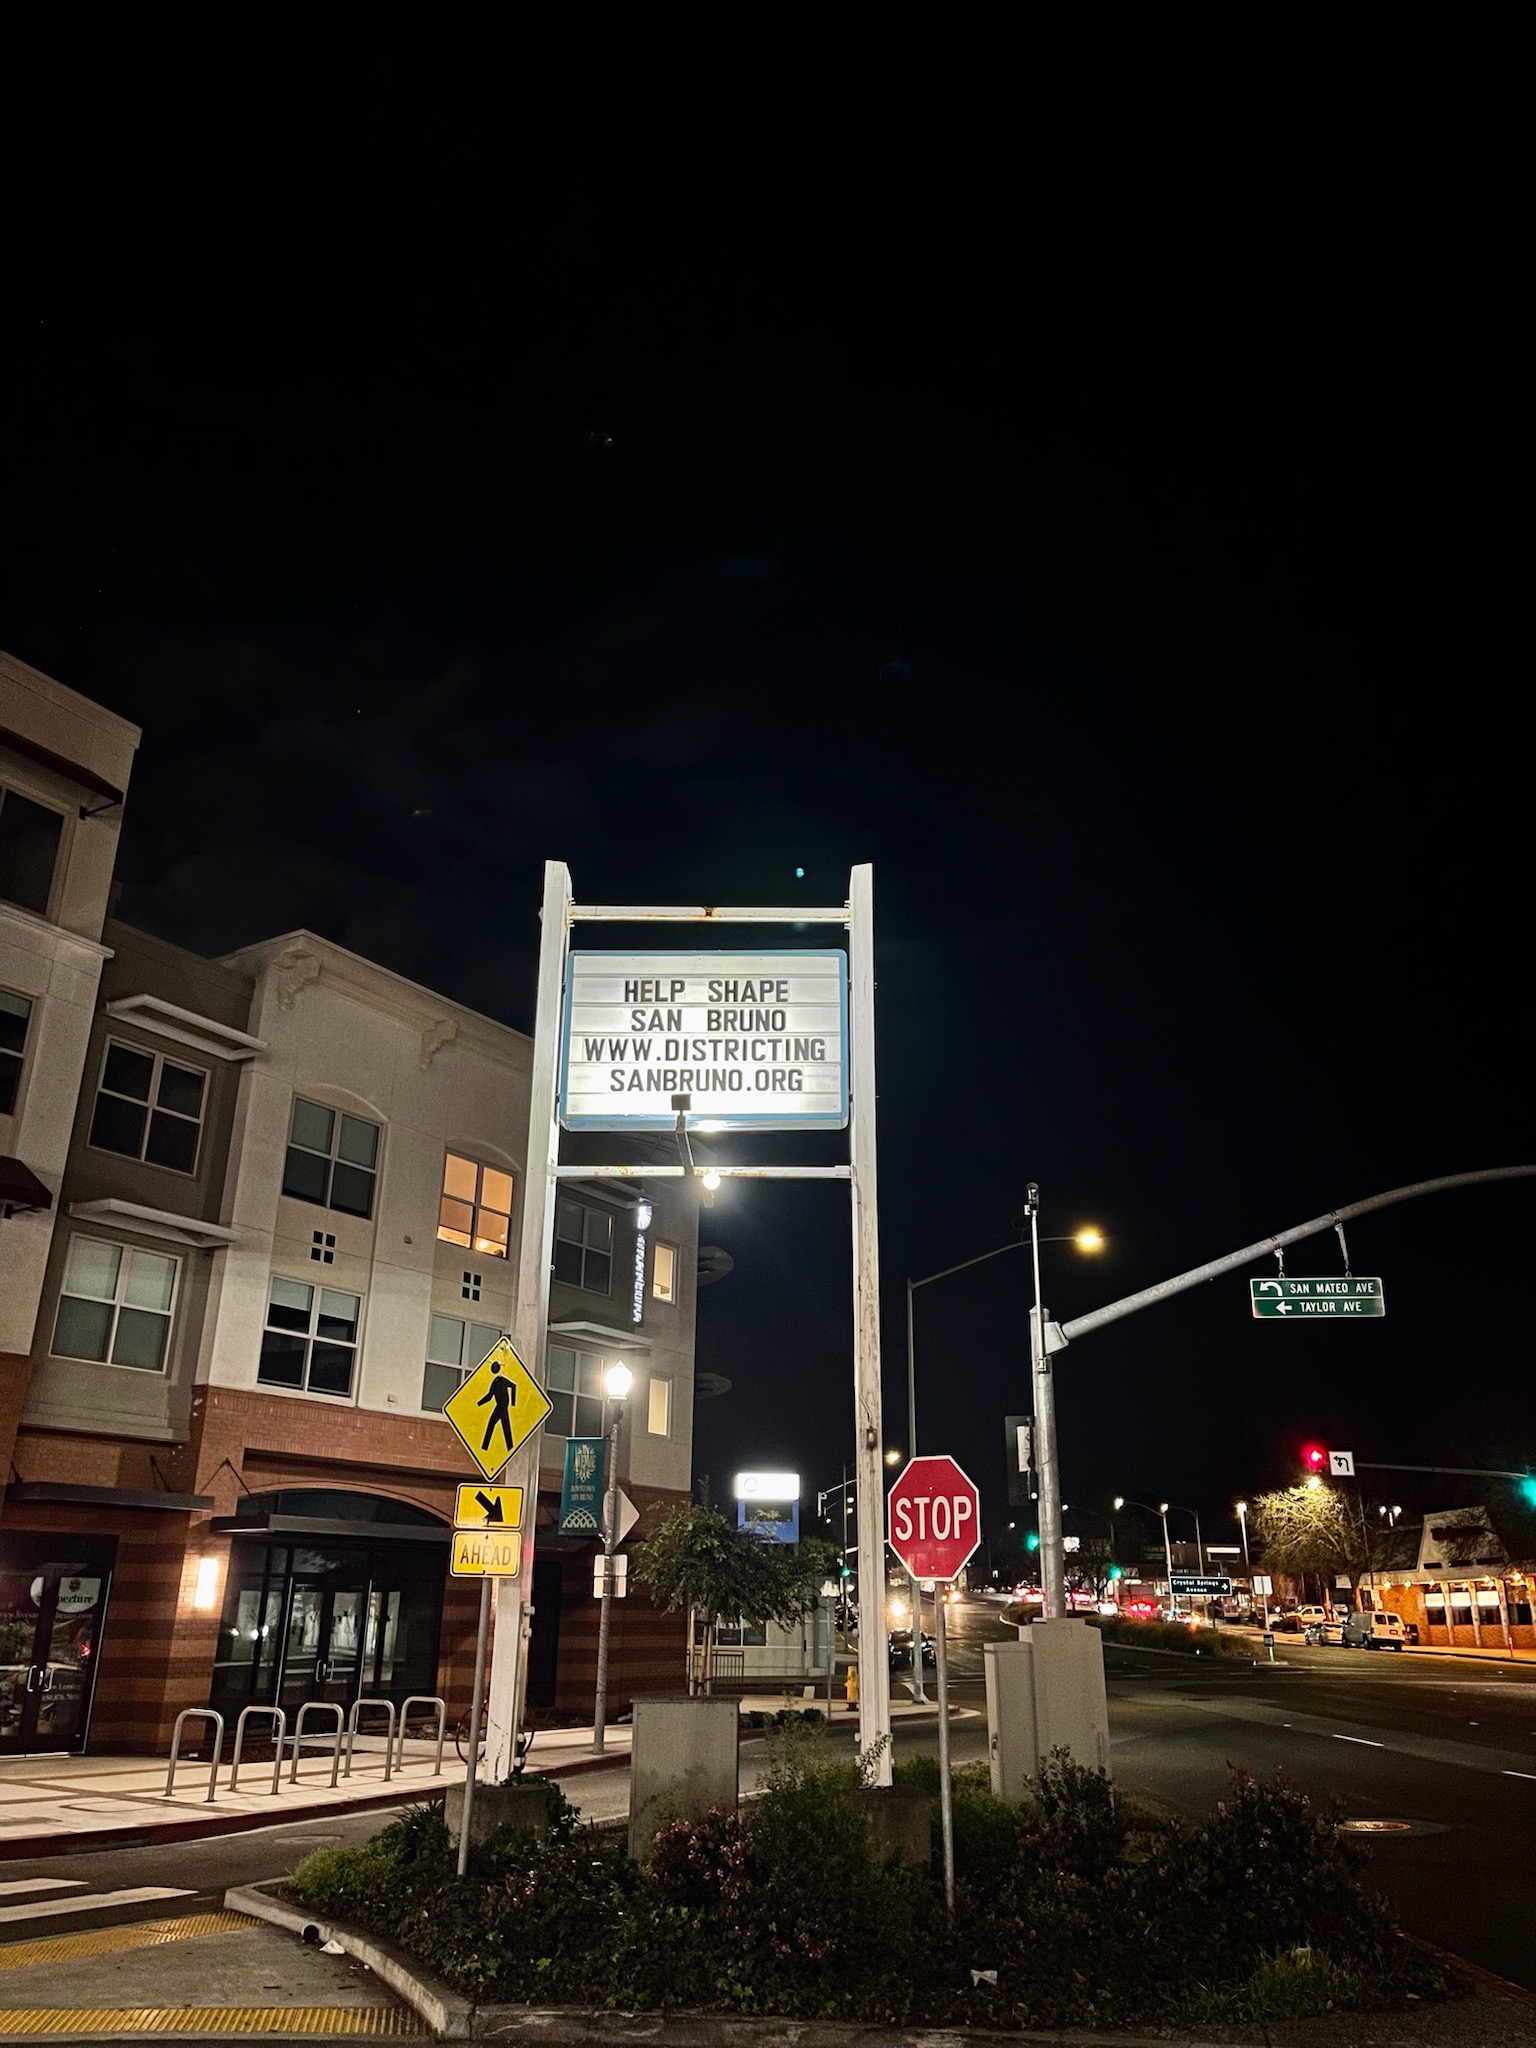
x=696, y=1559
x=1307, y=1529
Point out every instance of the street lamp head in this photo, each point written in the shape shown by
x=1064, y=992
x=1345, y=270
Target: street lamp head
x=617, y=1381
x=1242, y=1507
x=711, y=1180
x=1119, y=1500
x=893, y=1457
x=1089, y=1239
x=1162, y=1507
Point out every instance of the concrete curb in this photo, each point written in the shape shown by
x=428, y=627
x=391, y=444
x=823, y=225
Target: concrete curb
x=444, y=2011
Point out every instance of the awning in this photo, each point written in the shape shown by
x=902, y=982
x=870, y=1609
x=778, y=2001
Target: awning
x=20, y=1189
x=160, y=1223
x=53, y=1493
x=576, y=1330
x=327, y=1530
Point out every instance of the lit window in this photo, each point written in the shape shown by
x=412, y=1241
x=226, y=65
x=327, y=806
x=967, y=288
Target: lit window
x=583, y=1246
x=15, y=1011
x=332, y=1159
x=664, y=1273
x=575, y=1392
x=116, y=1305
x=310, y=1342
x=658, y=1413
x=149, y=1107
x=454, y=1348
x=476, y=1207
x=29, y=850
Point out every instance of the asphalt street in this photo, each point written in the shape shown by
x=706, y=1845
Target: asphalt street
x=1444, y=1751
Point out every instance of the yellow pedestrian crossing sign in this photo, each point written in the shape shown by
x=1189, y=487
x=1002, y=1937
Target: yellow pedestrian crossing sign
x=497, y=1408
x=488, y=1507
x=486, y=1553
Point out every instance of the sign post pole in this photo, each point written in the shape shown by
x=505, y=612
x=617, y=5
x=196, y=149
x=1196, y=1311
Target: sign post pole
x=946, y=1790
x=481, y=1635
x=874, y=1656
x=1052, y=1555
x=605, y=1617
x=534, y=1255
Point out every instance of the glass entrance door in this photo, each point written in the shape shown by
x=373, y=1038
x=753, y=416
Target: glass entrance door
x=53, y=1599
x=328, y=1621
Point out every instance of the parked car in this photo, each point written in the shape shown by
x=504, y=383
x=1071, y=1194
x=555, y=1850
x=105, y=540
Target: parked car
x=1375, y=1631
x=1322, y=1633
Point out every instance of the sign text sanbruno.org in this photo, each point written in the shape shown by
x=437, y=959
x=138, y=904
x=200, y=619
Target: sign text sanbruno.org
x=752, y=1039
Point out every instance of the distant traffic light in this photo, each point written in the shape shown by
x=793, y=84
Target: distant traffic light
x=1116, y=1572
x=1528, y=1492
x=1314, y=1457
x=1031, y=1541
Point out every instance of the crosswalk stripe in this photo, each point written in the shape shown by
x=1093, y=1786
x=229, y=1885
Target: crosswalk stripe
x=97, y=1902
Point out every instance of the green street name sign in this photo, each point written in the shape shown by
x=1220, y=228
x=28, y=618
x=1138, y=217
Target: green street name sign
x=1322, y=1294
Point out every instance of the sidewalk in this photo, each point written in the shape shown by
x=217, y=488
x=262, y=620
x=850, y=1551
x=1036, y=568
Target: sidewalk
x=54, y=1805
x=1490, y=1653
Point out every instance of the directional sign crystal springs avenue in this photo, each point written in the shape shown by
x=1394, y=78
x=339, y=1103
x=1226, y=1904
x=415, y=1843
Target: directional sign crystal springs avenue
x=935, y=1520
x=1321, y=1294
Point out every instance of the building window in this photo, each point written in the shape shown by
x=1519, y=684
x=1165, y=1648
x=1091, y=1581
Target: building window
x=333, y=1159
x=29, y=850
x=476, y=1207
x=15, y=1014
x=149, y=1107
x=310, y=1342
x=583, y=1246
x=658, y=1410
x=575, y=1391
x=454, y=1348
x=116, y=1305
x=664, y=1273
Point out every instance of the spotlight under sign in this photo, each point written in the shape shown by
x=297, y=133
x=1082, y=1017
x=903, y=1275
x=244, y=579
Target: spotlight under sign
x=753, y=1040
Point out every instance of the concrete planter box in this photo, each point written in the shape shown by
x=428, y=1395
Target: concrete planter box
x=524, y=1807
x=683, y=1763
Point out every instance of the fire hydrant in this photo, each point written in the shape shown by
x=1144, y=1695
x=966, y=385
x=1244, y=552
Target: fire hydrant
x=851, y=1685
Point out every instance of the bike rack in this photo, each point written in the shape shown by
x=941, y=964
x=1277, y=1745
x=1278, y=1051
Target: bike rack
x=197, y=1714
x=272, y=1714
x=317, y=1707
x=389, y=1739
x=426, y=1699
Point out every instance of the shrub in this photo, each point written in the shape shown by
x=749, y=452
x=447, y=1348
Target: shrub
x=1091, y=1914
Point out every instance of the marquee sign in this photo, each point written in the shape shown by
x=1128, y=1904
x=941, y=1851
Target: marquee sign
x=754, y=1040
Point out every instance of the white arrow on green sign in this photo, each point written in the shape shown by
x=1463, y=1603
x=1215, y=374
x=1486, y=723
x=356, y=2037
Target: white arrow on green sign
x=1318, y=1294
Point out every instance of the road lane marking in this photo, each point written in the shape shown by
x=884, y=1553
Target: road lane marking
x=1521, y=1774
x=98, y=1902
x=1364, y=1741
x=105, y=1941
x=41, y=1884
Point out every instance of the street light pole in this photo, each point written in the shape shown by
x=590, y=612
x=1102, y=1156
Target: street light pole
x=1052, y=1560
x=918, y=1695
x=616, y=1384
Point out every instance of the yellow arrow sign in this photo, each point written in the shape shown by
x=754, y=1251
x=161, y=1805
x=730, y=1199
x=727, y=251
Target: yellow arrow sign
x=497, y=1408
x=488, y=1507
x=486, y=1554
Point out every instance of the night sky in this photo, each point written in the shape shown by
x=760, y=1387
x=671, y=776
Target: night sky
x=1132, y=563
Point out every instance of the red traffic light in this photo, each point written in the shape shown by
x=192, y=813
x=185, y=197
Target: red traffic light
x=1314, y=1457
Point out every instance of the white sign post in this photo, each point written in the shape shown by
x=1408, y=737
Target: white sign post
x=703, y=1042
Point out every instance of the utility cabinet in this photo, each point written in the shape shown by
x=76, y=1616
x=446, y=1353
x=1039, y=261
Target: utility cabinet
x=1045, y=1692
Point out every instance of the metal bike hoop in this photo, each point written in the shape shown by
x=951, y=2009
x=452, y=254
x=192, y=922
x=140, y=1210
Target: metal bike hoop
x=425, y=1699
x=318, y=1707
x=197, y=1714
x=272, y=1714
x=389, y=1739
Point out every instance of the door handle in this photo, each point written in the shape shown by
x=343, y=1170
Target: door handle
x=33, y=1674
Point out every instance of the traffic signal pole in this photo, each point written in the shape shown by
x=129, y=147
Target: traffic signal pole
x=1053, y=1563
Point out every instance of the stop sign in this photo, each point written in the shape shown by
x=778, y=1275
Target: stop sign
x=935, y=1518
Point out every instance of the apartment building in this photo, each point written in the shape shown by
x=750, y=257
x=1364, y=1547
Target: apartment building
x=284, y=1186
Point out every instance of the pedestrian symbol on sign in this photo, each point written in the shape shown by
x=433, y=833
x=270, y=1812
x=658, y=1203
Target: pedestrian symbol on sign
x=501, y=1394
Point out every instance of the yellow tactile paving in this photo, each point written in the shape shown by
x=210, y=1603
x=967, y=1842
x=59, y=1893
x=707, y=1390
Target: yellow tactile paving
x=105, y=1941
x=82, y=2021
